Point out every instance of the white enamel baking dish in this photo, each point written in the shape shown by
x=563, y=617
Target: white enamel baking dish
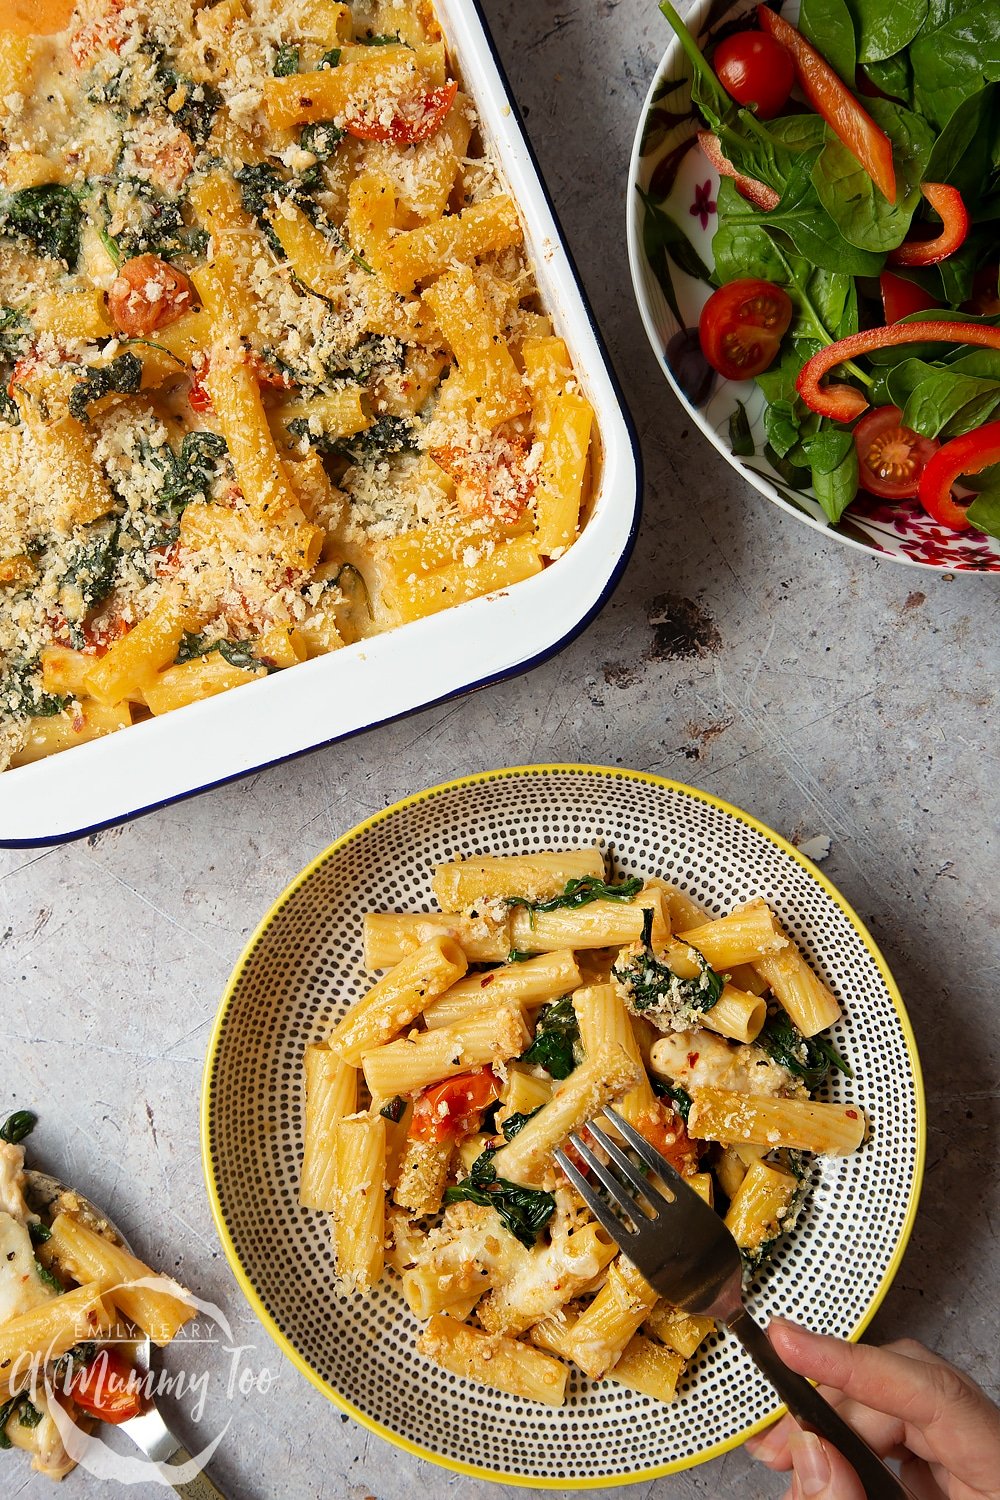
x=373, y=681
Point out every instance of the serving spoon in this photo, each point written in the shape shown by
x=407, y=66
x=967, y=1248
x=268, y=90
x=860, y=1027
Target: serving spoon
x=148, y=1430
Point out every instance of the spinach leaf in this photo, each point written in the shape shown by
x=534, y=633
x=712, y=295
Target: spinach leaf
x=394, y=1110
x=516, y=1122
x=6, y=1412
x=742, y=247
x=581, y=891
x=740, y=437
x=286, y=62
x=826, y=449
x=46, y=1276
x=813, y=233
x=524, y=1211
x=829, y=25
x=556, y=1047
x=836, y=488
x=190, y=471
x=808, y=1058
x=955, y=60
x=653, y=989
x=680, y=1099
x=707, y=92
x=984, y=512
x=236, y=653
x=14, y=334
x=330, y=59
x=38, y=1232
x=145, y=223
x=49, y=216
x=863, y=215
x=388, y=436
x=92, y=569
x=29, y=1415
x=961, y=154
x=18, y=1126
x=946, y=404
x=123, y=374
x=192, y=106
x=21, y=694
x=884, y=30
x=382, y=39
x=894, y=77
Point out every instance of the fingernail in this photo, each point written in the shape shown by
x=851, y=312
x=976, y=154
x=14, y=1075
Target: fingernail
x=765, y=1447
x=811, y=1465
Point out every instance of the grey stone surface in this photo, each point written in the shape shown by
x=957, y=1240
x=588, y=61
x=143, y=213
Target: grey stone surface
x=823, y=691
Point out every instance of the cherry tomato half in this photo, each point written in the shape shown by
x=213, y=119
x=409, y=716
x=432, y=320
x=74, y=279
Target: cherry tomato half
x=108, y=1387
x=453, y=1108
x=892, y=457
x=742, y=325
x=754, y=68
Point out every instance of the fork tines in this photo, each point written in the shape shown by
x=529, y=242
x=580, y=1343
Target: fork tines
x=620, y=1196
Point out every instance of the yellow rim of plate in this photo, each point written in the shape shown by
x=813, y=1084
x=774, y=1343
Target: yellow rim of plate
x=474, y=1471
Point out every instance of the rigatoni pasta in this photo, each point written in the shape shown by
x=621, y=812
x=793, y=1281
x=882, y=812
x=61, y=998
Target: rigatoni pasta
x=569, y=990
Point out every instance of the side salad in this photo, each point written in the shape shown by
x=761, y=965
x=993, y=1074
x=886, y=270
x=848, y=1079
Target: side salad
x=857, y=254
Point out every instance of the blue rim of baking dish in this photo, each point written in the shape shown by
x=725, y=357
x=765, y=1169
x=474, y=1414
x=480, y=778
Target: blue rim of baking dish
x=517, y=669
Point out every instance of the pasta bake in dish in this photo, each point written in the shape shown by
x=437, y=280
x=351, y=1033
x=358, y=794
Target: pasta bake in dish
x=275, y=376
x=538, y=993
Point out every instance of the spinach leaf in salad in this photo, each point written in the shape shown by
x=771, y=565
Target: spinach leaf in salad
x=883, y=30
x=862, y=214
x=954, y=60
x=829, y=25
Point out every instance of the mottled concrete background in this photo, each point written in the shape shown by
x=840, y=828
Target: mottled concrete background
x=823, y=691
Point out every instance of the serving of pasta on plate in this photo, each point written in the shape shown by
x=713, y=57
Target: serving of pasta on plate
x=540, y=991
x=275, y=373
x=75, y=1305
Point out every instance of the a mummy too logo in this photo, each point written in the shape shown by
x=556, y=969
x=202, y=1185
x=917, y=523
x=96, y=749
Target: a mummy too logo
x=106, y=1381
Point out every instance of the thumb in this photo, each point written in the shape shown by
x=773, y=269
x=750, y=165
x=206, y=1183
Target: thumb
x=821, y=1473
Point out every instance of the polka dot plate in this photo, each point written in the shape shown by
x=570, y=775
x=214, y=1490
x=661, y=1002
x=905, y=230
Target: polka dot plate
x=303, y=966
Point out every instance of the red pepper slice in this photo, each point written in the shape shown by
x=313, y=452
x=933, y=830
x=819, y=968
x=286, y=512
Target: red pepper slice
x=842, y=403
x=968, y=454
x=947, y=203
x=900, y=297
x=413, y=121
x=830, y=98
x=757, y=193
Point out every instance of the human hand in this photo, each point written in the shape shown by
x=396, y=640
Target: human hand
x=907, y=1404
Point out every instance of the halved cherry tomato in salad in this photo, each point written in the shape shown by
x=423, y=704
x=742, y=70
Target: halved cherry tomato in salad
x=454, y=1108
x=891, y=457
x=900, y=297
x=841, y=402
x=108, y=1387
x=853, y=125
x=742, y=325
x=968, y=454
x=757, y=193
x=412, y=121
x=753, y=68
x=948, y=204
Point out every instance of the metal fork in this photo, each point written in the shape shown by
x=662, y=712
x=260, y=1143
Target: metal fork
x=687, y=1254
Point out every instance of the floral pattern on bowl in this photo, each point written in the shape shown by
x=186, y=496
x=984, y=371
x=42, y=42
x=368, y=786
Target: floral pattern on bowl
x=671, y=223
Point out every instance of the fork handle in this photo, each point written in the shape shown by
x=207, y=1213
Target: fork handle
x=815, y=1414
x=199, y=1487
